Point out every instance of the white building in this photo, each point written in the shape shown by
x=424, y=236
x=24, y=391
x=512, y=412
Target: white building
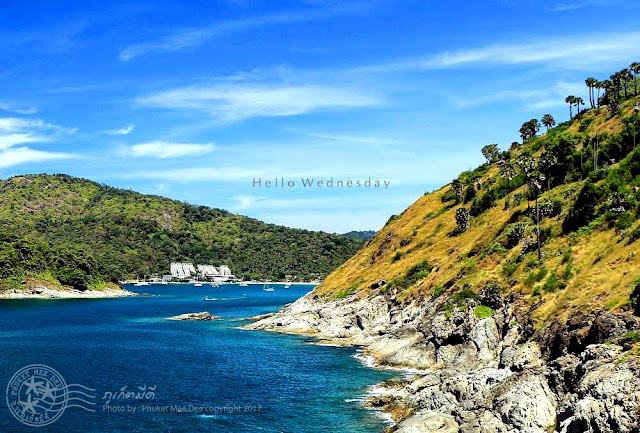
x=207, y=272
x=182, y=271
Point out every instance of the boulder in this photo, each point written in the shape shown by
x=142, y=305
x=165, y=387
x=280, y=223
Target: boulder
x=203, y=315
x=429, y=421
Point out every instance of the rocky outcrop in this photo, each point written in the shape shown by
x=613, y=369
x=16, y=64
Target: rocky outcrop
x=489, y=374
x=204, y=315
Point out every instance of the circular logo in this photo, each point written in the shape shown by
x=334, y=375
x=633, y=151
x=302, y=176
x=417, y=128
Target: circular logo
x=37, y=395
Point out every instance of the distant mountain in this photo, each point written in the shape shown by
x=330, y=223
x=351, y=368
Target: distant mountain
x=80, y=233
x=364, y=235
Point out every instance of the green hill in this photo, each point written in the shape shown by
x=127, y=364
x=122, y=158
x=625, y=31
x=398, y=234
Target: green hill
x=582, y=178
x=62, y=229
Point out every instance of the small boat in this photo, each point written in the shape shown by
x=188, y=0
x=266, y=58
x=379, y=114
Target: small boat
x=197, y=284
x=141, y=283
x=214, y=284
x=206, y=298
x=244, y=284
x=268, y=289
x=286, y=286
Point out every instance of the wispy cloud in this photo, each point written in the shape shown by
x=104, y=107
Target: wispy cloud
x=237, y=101
x=531, y=99
x=122, y=131
x=577, y=51
x=195, y=36
x=563, y=7
x=164, y=150
x=24, y=155
x=17, y=110
x=194, y=174
x=14, y=131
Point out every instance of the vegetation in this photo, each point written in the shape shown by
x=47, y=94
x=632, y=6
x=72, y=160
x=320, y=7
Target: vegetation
x=81, y=234
x=555, y=218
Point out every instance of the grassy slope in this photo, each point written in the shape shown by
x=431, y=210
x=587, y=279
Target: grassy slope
x=120, y=233
x=602, y=265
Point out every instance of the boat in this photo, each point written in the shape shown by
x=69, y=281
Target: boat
x=214, y=284
x=206, y=298
x=244, y=284
x=286, y=286
x=197, y=284
x=266, y=288
x=141, y=283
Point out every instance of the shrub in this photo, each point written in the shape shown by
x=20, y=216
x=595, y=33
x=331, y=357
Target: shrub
x=552, y=284
x=463, y=221
x=437, y=292
x=482, y=312
x=515, y=233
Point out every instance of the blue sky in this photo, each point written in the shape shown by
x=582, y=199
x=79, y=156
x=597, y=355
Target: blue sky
x=195, y=100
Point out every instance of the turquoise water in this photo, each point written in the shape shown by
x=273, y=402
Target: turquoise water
x=208, y=376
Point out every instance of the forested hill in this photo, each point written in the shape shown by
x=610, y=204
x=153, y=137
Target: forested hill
x=80, y=233
x=554, y=219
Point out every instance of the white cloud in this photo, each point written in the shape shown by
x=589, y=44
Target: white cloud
x=574, y=52
x=14, y=131
x=232, y=102
x=530, y=99
x=163, y=149
x=24, y=155
x=195, y=36
x=12, y=109
x=122, y=131
x=10, y=140
x=196, y=174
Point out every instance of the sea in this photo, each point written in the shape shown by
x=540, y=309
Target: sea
x=121, y=366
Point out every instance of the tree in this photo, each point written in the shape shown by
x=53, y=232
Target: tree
x=529, y=129
x=491, y=153
x=615, y=79
x=533, y=178
x=591, y=84
x=570, y=100
x=547, y=164
x=635, y=69
x=599, y=85
x=548, y=121
x=625, y=77
x=463, y=220
x=457, y=187
x=578, y=102
x=508, y=171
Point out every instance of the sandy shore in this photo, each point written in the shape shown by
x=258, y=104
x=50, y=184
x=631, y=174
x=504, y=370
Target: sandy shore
x=51, y=293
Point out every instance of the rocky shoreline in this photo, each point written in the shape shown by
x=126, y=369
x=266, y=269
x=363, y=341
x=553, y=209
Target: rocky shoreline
x=42, y=292
x=494, y=374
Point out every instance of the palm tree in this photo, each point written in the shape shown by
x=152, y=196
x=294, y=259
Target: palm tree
x=548, y=121
x=508, y=171
x=591, y=83
x=599, y=85
x=625, y=77
x=635, y=68
x=615, y=85
x=578, y=102
x=570, y=100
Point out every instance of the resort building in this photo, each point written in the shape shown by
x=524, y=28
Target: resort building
x=186, y=271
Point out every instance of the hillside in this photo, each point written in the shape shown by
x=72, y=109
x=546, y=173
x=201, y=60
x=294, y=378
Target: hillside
x=512, y=293
x=363, y=235
x=589, y=227
x=80, y=233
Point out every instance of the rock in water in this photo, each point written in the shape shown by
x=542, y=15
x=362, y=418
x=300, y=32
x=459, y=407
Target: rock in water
x=203, y=315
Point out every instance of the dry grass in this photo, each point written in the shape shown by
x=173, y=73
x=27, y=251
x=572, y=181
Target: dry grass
x=599, y=272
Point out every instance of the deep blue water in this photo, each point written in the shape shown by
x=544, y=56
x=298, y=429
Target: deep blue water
x=249, y=381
